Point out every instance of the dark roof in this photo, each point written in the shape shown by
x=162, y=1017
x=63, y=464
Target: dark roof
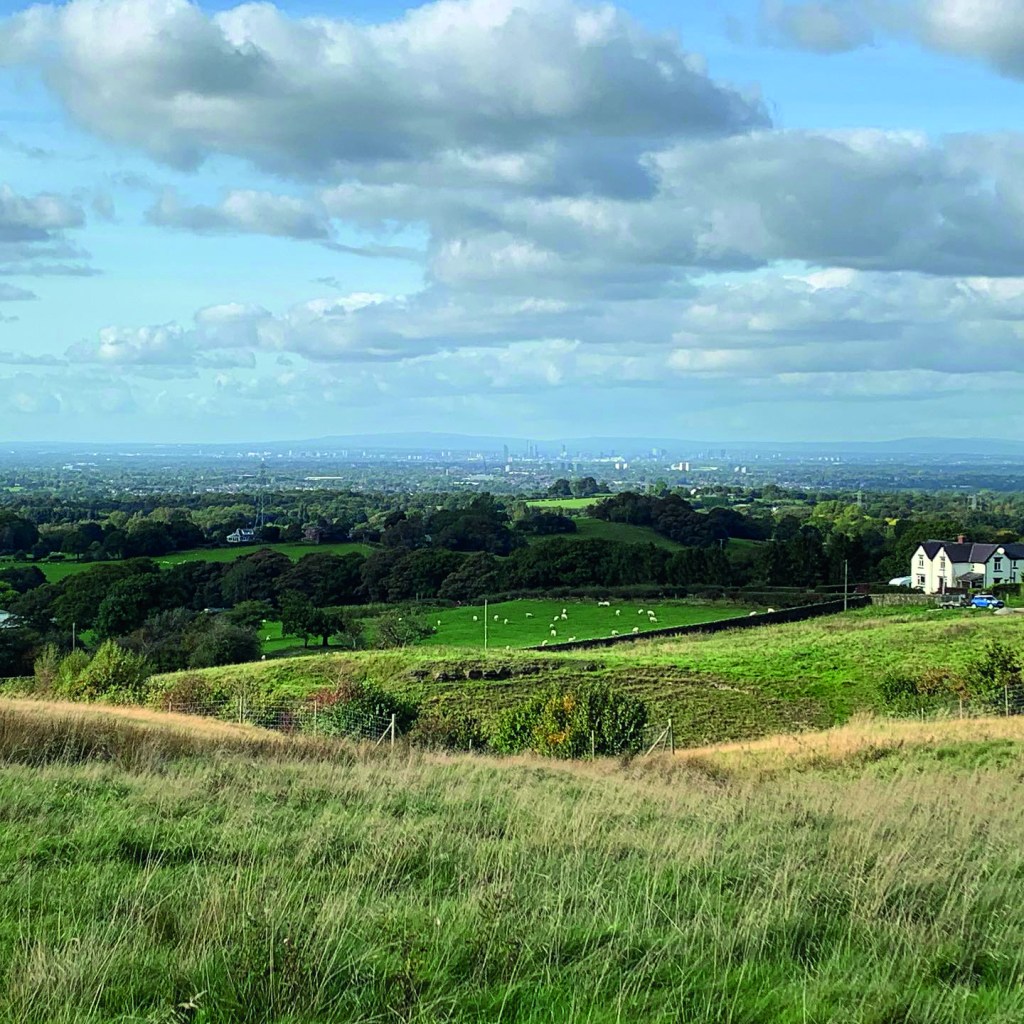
x=970, y=552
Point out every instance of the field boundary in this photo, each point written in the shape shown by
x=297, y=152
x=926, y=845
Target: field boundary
x=797, y=614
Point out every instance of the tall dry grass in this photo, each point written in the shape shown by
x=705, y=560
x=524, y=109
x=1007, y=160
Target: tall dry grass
x=225, y=882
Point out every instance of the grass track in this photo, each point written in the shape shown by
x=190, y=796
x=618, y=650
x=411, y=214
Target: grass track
x=141, y=875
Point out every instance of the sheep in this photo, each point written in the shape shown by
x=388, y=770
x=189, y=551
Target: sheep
x=529, y=615
x=640, y=611
x=495, y=618
x=770, y=610
x=571, y=639
x=604, y=604
x=636, y=629
x=618, y=611
x=505, y=623
x=652, y=619
x=264, y=658
x=753, y=613
x=439, y=622
x=554, y=632
x=543, y=643
x=563, y=611
x=615, y=632
x=474, y=618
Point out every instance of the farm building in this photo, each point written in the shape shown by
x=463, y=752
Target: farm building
x=940, y=565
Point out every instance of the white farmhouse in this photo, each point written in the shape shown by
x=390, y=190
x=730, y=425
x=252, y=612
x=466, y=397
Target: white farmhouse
x=941, y=565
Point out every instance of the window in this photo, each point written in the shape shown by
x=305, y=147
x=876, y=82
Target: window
x=998, y=565
x=942, y=562
x=921, y=581
x=920, y=561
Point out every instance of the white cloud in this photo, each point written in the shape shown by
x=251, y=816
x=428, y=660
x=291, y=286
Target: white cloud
x=318, y=96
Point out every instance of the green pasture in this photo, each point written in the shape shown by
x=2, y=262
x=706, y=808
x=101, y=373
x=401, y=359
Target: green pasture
x=56, y=571
x=722, y=686
x=569, y=504
x=530, y=623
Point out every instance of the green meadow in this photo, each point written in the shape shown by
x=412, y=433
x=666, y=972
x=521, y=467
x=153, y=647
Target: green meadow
x=165, y=873
x=56, y=571
x=732, y=685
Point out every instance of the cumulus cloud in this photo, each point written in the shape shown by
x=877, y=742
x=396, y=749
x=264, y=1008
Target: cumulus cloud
x=321, y=96
x=819, y=26
x=33, y=234
x=991, y=31
x=244, y=212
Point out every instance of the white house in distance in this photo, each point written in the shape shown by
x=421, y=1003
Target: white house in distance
x=941, y=565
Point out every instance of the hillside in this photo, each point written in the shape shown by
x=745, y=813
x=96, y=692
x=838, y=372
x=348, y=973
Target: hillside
x=156, y=875
x=730, y=685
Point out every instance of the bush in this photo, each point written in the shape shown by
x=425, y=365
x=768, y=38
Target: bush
x=394, y=630
x=360, y=710
x=69, y=673
x=572, y=723
x=46, y=669
x=448, y=732
x=113, y=674
x=996, y=677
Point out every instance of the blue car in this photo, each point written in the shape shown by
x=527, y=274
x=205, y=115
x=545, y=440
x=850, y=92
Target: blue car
x=986, y=601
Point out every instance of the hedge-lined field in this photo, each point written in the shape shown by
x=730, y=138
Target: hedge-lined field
x=724, y=686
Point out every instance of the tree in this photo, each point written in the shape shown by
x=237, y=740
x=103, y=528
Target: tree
x=128, y=604
x=254, y=577
x=220, y=643
x=299, y=617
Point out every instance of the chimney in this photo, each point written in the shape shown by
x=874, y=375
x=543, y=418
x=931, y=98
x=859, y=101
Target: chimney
x=961, y=539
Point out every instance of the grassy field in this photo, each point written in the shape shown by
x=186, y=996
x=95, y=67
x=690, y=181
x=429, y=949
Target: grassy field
x=569, y=504
x=626, y=533
x=157, y=874
x=528, y=623
x=716, y=687
x=55, y=571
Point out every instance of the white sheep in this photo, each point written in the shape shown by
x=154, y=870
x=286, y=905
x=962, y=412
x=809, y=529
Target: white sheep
x=563, y=616
x=618, y=611
x=615, y=632
x=543, y=643
x=529, y=615
x=652, y=619
x=753, y=613
x=554, y=632
x=474, y=618
x=563, y=611
x=640, y=611
x=636, y=629
x=505, y=623
x=770, y=610
x=495, y=618
x=604, y=604
x=571, y=639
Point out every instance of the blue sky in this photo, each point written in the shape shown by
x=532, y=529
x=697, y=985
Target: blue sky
x=753, y=219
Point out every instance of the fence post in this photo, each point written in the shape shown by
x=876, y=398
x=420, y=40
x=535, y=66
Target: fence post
x=1006, y=699
x=241, y=710
x=315, y=704
x=593, y=745
x=961, y=707
x=392, y=731
x=671, y=738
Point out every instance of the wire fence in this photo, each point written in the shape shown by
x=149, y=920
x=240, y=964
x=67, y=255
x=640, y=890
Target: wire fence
x=312, y=718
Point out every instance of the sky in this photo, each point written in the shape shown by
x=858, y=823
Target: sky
x=740, y=220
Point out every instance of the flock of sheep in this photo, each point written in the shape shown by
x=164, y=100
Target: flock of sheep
x=563, y=616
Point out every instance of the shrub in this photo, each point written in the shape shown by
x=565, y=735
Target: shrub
x=448, y=732
x=571, y=723
x=997, y=677
x=394, y=630
x=112, y=674
x=360, y=710
x=46, y=668
x=69, y=674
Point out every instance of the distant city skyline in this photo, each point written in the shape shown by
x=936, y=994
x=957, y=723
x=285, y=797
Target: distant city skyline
x=756, y=219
